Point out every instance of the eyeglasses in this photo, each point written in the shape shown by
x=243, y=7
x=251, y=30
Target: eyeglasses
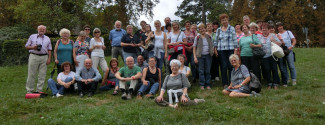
x=97, y=32
x=233, y=60
x=87, y=29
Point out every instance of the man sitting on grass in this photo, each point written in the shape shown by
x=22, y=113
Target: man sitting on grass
x=128, y=75
x=87, y=78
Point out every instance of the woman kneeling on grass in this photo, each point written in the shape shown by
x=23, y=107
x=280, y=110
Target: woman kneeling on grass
x=176, y=85
x=240, y=78
x=65, y=80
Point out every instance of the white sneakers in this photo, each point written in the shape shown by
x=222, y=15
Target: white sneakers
x=58, y=95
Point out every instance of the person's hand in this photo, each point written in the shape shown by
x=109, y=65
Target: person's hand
x=35, y=47
x=166, y=55
x=76, y=62
x=195, y=60
x=290, y=48
x=85, y=81
x=103, y=47
x=216, y=52
x=66, y=85
x=230, y=87
x=177, y=43
x=237, y=86
x=159, y=99
x=56, y=61
x=252, y=45
x=145, y=83
x=184, y=99
x=90, y=80
x=48, y=61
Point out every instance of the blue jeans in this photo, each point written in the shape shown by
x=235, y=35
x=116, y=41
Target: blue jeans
x=289, y=59
x=190, y=59
x=204, y=70
x=283, y=70
x=55, y=87
x=126, y=54
x=226, y=67
x=269, y=66
x=153, y=88
x=110, y=86
x=161, y=61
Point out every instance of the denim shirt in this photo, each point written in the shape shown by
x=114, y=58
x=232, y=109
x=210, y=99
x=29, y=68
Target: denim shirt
x=115, y=36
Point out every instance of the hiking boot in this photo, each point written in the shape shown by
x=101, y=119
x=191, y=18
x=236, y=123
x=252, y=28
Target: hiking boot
x=124, y=96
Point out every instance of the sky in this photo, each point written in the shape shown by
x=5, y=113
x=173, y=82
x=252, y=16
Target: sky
x=165, y=8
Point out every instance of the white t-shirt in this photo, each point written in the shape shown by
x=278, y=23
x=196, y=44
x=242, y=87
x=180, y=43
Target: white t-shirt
x=159, y=42
x=97, y=51
x=63, y=77
x=286, y=38
x=173, y=38
x=184, y=70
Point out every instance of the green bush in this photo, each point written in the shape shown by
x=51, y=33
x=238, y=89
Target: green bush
x=14, y=52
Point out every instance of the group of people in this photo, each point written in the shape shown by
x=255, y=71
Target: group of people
x=146, y=52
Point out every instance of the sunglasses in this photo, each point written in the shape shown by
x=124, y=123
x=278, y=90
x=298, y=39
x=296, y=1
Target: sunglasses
x=96, y=32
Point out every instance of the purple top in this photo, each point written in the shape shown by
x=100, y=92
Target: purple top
x=43, y=40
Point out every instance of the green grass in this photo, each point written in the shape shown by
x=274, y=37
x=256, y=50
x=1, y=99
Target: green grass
x=300, y=104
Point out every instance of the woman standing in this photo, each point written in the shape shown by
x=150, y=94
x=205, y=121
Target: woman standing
x=110, y=81
x=209, y=29
x=269, y=65
x=151, y=78
x=130, y=44
x=144, y=42
x=160, y=39
x=246, y=43
x=190, y=35
x=97, y=48
x=80, y=50
x=290, y=42
x=63, y=49
x=239, y=33
x=176, y=42
x=226, y=45
x=203, y=52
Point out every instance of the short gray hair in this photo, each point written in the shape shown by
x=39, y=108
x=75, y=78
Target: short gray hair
x=64, y=30
x=129, y=26
x=253, y=25
x=175, y=61
x=233, y=56
x=82, y=33
x=246, y=17
x=41, y=26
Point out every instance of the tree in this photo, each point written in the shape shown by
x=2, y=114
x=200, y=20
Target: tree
x=7, y=13
x=197, y=11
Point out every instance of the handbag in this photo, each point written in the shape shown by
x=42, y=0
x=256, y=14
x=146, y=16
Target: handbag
x=277, y=51
x=258, y=51
x=254, y=84
x=150, y=45
x=171, y=50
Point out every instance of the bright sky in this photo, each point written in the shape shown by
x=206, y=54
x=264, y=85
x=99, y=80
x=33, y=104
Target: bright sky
x=165, y=8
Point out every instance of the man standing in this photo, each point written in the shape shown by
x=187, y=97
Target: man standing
x=39, y=47
x=163, y=28
x=246, y=20
x=128, y=75
x=87, y=78
x=141, y=31
x=115, y=37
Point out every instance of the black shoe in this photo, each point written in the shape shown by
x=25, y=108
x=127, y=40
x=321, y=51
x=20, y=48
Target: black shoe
x=90, y=94
x=81, y=94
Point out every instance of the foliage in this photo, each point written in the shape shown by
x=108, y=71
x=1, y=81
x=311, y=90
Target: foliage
x=291, y=105
x=196, y=10
x=294, y=14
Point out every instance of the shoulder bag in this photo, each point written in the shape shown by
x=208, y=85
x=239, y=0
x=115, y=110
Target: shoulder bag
x=171, y=51
x=258, y=51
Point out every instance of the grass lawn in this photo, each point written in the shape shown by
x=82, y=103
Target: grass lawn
x=300, y=104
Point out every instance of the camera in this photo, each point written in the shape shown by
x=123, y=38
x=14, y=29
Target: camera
x=39, y=47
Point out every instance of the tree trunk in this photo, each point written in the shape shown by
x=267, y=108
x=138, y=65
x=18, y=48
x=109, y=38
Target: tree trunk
x=203, y=12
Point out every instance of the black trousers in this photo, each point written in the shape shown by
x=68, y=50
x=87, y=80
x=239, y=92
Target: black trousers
x=91, y=87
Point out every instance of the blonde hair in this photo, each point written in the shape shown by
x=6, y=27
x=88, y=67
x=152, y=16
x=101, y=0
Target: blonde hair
x=157, y=21
x=179, y=27
x=233, y=56
x=64, y=30
x=96, y=29
x=202, y=26
x=129, y=26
